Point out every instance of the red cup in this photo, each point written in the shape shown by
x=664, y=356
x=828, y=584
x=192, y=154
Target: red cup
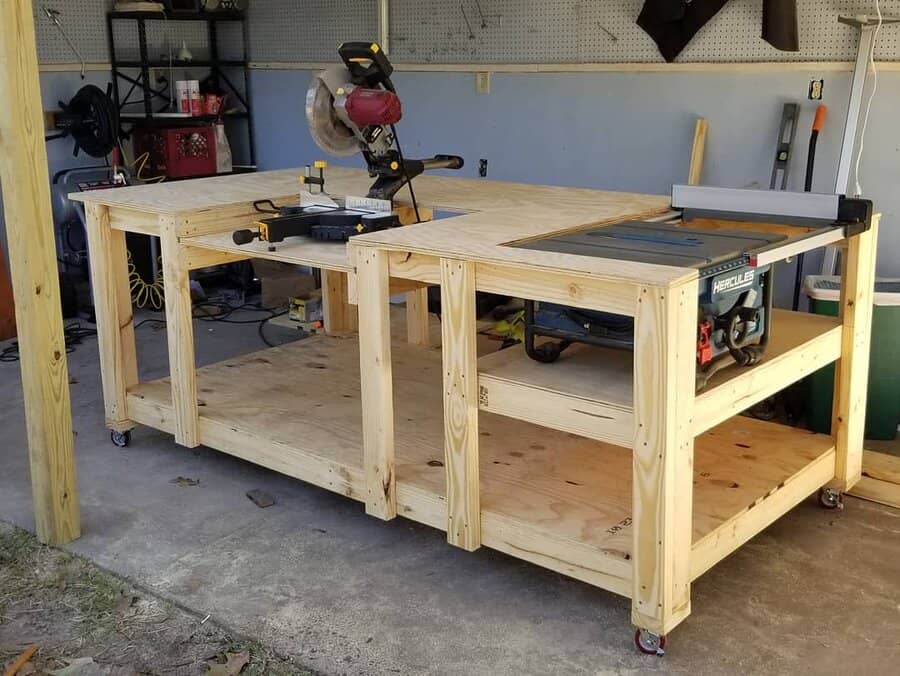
x=211, y=104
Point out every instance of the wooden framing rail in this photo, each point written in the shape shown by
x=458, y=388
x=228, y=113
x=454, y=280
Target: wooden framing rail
x=35, y=280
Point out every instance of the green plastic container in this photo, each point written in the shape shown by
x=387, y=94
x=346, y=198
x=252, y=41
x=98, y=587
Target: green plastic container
x=883, y=402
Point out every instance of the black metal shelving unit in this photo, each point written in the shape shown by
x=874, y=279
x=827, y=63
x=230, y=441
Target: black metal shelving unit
x=152, y=101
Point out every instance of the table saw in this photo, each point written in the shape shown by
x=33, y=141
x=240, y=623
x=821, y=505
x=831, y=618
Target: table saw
x=735, y=268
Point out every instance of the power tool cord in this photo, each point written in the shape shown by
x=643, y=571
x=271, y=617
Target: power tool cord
x=209, y=311
x=74, y=334
x=412, y=193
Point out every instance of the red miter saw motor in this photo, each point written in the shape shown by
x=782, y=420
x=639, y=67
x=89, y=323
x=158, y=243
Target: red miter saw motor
x=367, y=107
x=352, y=108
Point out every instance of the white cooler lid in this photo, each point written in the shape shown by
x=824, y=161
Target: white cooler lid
x=824, y=287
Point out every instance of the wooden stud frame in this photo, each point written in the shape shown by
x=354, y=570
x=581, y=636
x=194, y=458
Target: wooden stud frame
x=852, y=373
x=460, y=403
x=180, y=332
x=662, y=484
x=35, y=280
x=376, y=383
x=115, y=321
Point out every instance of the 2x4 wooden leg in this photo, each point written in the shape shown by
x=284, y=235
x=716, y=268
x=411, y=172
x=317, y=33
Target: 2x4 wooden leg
x=114, y=314
x=180, y=334
x=662, y=465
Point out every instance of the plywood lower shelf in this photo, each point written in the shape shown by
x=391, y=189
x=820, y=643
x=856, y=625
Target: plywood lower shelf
x=589, y=390
x=880, y=480
x=553, y=498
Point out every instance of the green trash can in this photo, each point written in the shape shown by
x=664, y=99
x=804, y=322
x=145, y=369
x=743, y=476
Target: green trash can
x=883, y=402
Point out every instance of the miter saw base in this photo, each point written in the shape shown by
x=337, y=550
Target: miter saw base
x=317, y=222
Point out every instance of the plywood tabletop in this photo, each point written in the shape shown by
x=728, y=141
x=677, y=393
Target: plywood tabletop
x=493, y=214
x=486, y=237
x=199, y=193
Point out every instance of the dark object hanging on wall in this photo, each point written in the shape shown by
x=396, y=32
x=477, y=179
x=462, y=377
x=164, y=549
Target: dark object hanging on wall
x=176, y=6
x=780, y=28
x=91, y=120
x=673, y=23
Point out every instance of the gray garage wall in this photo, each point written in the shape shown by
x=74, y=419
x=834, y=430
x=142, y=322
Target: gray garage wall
x=623, y=131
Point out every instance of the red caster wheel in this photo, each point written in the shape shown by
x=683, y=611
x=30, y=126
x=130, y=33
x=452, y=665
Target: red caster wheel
x=649, y=643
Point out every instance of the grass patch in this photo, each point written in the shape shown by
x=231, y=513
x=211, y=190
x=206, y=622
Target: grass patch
x=72, y=608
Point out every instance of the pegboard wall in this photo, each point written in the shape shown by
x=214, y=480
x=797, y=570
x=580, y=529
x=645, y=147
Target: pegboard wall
x=547, y=31
x=477, y=31
x=84, y=21
x=307, y=30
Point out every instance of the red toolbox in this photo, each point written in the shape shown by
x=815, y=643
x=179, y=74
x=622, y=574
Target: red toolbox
x=176, y=152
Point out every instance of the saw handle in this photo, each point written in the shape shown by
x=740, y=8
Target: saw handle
x=241, y=237
x=367, y=63
x=819, y=122
x=443, y=162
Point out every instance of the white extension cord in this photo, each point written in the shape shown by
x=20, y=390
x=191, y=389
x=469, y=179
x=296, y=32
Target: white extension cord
x=862, y=137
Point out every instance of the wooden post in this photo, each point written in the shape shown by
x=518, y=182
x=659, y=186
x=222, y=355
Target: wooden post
x=376, y=382
x=848, y=417
x=180, y=334
x=697, y=151
x=35, y=279
x=339, y=316
x=115, y=322
x=460, y=403
x=418, y=330
x=662, y=466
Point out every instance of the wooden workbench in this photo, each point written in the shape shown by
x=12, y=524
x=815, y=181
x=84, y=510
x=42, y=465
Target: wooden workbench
x=194, y=221
x=615, y=474
x=643, y=523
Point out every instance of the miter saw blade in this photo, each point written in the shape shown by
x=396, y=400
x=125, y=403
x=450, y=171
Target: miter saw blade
x=327, y=130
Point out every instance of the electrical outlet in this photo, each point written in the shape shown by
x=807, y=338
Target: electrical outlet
x=816, y=87
x=482, y=168
x=483, y=83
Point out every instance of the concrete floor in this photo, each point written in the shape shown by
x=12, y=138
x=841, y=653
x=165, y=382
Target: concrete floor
x=314, y=577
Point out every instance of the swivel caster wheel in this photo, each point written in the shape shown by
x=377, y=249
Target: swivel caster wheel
x=649, y=643
x=120, y=439
x=830, y=498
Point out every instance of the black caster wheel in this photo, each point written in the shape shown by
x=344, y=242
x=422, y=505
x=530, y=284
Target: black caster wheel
x=547, y=353
x=765, y=410
x=649, y=643
x=830, y=498
x=120, y=439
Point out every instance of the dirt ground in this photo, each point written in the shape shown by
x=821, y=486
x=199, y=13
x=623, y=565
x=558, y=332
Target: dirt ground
x=86, y=622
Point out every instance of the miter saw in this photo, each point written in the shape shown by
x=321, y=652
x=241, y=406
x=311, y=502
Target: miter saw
x=735, y=266
x=350, y=109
